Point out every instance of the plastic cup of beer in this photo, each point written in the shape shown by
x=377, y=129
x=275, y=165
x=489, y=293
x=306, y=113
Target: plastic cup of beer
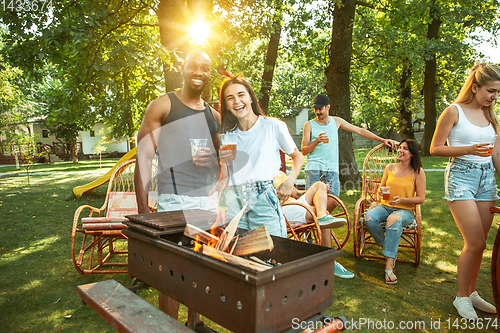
x=228, y=142
x=490, y=140
x=325, y=138
x=386, y=192
x=196, y=145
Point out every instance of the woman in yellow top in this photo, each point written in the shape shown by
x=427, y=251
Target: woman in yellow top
x=406, y=180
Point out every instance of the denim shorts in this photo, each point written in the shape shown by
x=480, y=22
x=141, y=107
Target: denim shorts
x=264, y=207
x=464, y=180
x=328, y=177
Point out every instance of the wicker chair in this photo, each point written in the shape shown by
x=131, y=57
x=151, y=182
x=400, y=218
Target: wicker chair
x=97, y=238
x=301, y=232
x=373, y=169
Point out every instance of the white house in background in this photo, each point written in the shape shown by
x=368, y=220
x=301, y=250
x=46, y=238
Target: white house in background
x=88, y=139
x=295, y=120
x=85, y=142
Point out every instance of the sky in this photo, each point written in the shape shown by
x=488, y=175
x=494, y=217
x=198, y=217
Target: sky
x=491, y=52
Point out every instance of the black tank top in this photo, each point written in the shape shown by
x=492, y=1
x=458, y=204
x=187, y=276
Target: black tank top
x=177, y=173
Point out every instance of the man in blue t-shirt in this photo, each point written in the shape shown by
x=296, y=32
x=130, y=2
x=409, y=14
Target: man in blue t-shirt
x=320, y=142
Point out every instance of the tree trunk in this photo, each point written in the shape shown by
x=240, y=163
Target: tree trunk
x=173, y=35
x=271, y=56
x=430, y=84
x=338, y=88
x=74, y=153
x=127, y=110
x=405, y=119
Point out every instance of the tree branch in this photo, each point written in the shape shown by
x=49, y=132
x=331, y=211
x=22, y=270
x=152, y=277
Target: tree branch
x=364, y=4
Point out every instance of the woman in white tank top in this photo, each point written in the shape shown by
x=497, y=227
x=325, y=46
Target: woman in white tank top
x=470, y=187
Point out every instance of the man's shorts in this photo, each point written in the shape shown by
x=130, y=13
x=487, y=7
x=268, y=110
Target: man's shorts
x=172, y=202
x=328, y=177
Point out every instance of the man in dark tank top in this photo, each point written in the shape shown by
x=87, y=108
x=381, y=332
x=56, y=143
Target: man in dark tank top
x=169, y=123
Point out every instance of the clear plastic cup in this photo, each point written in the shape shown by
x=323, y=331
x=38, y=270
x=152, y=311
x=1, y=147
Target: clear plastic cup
x=228, y=142
x=196, y=144
x=490, y=140
x=386, y=192
x=325, y=139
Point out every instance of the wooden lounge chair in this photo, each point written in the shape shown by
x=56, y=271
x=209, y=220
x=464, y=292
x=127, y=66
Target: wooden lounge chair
x=373, y=170
x=97, y=238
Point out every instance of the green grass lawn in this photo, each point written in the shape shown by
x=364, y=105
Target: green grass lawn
x=39, y=280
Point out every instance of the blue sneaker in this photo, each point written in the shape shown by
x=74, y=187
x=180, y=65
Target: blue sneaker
x=341, y=272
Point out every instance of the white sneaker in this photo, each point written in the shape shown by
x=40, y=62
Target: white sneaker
x=464, y=307
x=479, y=303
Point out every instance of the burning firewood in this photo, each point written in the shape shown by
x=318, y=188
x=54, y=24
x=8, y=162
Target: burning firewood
x=234, y=244
x=256, y=240
x=233, y=259
x=201, y=236
x=228, y=233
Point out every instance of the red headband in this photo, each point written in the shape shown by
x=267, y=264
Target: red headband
x=225, y=73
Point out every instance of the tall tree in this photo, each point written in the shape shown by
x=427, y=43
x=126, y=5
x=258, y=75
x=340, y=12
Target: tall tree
x=271, y=56
x=405, y=115
x=337, y=82
x=430, y=79
x=173, y=29
x=105, y=52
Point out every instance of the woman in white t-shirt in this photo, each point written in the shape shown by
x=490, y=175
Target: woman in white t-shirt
x=470, y=187
x=259, y=142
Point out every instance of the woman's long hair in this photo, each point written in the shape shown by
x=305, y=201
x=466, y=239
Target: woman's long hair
x=481, y=74
x=229, y=121
x=415, y=162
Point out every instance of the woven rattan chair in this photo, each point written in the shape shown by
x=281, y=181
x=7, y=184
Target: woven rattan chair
x=373, y=170
x=301, y=232
x=97, y=242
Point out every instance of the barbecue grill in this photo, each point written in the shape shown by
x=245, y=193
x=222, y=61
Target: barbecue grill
x=236, y=297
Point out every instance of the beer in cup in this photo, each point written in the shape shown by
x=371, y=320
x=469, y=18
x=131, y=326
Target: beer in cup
x=490, y=140
x=386, y=192
x=228, y=142
x=325, y=138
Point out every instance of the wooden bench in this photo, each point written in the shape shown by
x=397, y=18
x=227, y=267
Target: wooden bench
x=126, y=311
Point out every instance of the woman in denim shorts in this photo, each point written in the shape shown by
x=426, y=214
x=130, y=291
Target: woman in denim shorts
x=251, y=171
x=406, y=180
x=470, y=126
